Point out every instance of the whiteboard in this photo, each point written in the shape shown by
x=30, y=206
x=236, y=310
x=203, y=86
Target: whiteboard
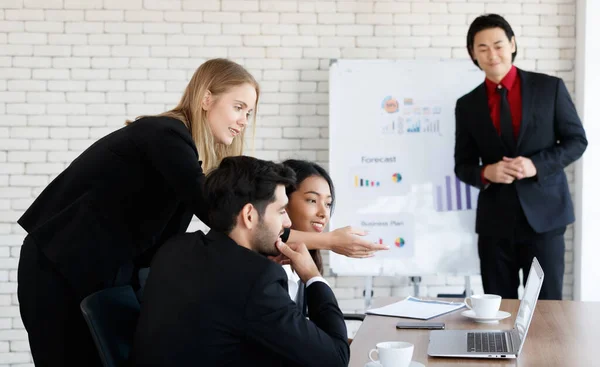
x=391, y=158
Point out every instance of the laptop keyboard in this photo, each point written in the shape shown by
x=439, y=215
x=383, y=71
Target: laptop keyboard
x=487, y=342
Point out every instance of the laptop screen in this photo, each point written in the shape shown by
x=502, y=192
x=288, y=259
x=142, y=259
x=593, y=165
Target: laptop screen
x=530, y=297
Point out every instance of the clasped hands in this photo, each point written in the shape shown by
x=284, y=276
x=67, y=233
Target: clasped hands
x=508, y=170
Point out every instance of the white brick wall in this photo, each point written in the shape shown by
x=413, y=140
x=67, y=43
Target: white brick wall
x=74, y=70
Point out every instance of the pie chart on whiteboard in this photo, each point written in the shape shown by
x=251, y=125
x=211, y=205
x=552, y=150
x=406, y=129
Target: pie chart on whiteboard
x=399, y=242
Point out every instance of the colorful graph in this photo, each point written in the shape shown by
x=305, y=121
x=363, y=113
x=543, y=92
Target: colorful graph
x=455, y=195
x=414, y=127
x=423, y=125
x=399, y=242
x=362, y=182
x=396, y=177
x=390, y=104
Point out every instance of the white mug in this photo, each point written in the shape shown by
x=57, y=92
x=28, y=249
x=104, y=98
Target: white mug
x=484, y=305
x=393, y=354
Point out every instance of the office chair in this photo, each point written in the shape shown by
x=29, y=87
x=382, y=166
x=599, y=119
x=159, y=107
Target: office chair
x=112, y=315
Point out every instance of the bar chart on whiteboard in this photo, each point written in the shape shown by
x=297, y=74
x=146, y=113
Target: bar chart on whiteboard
x=391, y=158
x=452, y=195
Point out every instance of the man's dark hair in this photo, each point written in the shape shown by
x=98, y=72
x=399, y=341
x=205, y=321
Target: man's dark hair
x=484, y=22
x=241, y=180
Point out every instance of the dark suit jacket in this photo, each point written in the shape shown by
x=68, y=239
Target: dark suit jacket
x=211, y=302
x=551, y=135
x=119, y=200
x=301, y=299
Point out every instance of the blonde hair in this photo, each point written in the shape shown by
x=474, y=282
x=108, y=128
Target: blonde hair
x=216, y=76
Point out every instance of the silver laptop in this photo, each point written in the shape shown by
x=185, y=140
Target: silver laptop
x=491, y=343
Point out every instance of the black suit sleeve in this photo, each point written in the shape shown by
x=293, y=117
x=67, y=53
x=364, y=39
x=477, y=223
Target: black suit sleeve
x=467, y=166
x=276, y=323
x=569, y=132
x=172, y=152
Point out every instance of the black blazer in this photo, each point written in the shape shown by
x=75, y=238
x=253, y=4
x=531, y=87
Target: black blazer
x=118, y=201
x=551, y=135
x=211, y=302
x=301, y=299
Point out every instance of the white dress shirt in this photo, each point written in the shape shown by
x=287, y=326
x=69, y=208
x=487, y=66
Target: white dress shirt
x=294, y=282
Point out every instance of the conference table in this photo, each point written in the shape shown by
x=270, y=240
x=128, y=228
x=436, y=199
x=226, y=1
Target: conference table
x=562, y=333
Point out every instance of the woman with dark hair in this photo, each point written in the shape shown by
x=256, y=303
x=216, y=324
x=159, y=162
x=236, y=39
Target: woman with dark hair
x=310, y=206
x=122, y=198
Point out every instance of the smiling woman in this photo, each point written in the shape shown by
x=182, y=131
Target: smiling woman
x=228, y=113
x=122, y=198
x=119, y=201
x=216, y=107
x=310, y=205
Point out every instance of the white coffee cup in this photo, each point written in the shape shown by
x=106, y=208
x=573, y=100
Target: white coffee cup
x=393, y=354
x=484, y=305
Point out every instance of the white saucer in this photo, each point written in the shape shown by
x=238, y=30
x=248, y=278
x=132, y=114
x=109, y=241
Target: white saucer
x=501, y=315
x=412, y=364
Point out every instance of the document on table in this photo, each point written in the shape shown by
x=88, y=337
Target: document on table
x=415, y=308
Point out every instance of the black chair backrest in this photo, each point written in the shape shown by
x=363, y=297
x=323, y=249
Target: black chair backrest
x=112, y=315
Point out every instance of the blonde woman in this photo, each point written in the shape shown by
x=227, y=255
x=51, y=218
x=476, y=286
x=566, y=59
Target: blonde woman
x=117, y=203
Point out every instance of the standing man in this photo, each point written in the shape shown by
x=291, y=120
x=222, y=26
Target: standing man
x=515, y=134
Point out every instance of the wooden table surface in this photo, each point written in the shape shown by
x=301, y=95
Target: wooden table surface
x=562, y=333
